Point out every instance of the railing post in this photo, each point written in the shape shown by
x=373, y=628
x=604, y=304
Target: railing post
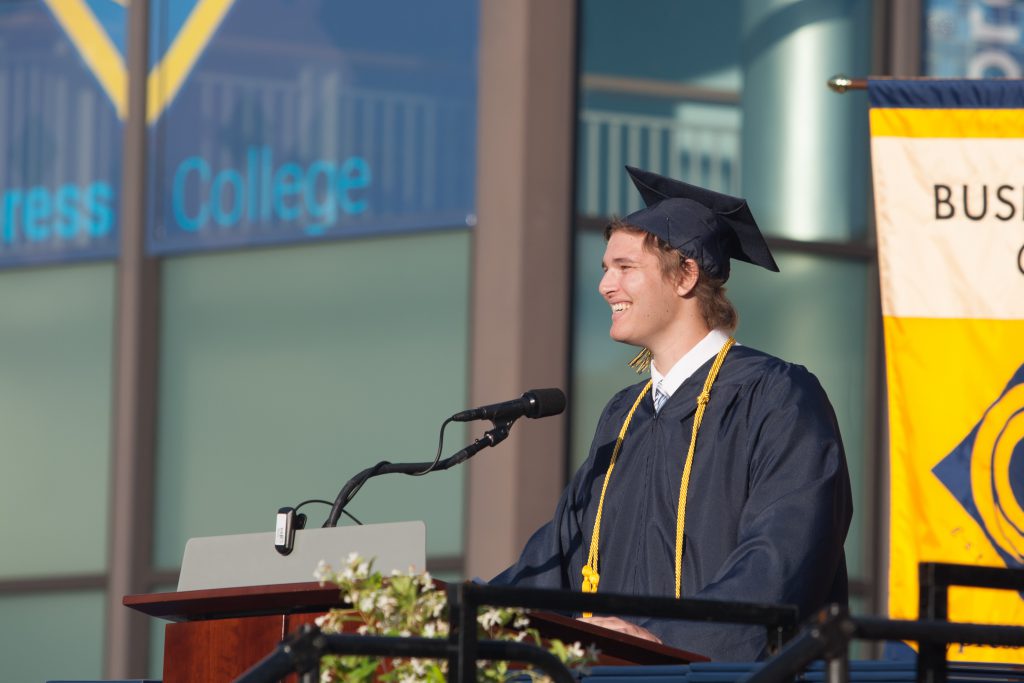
x=454, y=600
x=839, y=667
x=933, y=603
x=467, y=634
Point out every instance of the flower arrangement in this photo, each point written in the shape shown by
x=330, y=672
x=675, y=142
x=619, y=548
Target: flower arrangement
x=411, y=605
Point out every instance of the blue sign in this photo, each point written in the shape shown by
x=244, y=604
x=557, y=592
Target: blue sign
x=974, y=38
x=316, y=120
x=61, y=141
x=269, y=121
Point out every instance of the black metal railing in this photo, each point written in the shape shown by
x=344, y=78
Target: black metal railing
x=301, y=652
x=934, y=582
x=827, y=636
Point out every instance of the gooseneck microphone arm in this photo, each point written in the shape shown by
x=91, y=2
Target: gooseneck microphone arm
x=492, y=437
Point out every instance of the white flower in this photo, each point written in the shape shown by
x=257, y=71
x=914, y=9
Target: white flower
x=491, y=617
x=386, y=604
x=322, y=573
x=405, y=608
x=353, y=558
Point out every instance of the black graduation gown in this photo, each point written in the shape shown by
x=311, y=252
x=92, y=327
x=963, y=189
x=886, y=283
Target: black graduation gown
x=767, y=512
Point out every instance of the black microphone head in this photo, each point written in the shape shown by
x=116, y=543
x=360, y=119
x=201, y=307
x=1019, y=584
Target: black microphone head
x=544, y=402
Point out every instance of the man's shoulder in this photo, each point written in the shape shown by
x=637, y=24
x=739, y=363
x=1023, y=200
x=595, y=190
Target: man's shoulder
x=747, y=365
x=772, y=381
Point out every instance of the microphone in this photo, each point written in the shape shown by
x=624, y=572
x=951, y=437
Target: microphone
x=533, y=404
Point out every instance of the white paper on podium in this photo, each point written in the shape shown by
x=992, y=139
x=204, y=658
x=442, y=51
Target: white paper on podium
x=251, y=559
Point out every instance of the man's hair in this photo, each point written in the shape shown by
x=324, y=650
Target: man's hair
x=715, y=307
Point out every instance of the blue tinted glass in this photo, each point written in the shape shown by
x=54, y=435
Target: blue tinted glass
x=285, y=372
x=311, y=120
x=973, y=38
x=52, y=636
x=60, y=136
x=55, y=412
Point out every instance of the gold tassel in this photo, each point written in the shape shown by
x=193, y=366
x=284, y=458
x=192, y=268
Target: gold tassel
x=641, y=362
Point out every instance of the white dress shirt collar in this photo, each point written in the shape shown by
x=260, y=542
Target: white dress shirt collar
x=706, y=349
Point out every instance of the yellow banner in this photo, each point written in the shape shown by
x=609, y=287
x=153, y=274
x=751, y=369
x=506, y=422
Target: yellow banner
x=949, y=196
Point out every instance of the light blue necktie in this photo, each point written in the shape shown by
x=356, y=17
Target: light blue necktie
x=659, y=396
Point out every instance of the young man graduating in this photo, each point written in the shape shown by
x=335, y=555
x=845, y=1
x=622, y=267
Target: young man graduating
x=723, y=476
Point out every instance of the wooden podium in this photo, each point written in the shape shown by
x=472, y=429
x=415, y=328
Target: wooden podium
x=217, y=634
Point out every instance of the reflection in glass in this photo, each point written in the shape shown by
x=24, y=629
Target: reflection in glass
x=286, y=372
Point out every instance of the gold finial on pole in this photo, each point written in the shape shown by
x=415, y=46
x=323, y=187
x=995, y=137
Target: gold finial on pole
x=840, y=83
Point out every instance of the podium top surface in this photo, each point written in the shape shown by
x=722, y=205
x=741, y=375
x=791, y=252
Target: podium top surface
x=252, y=560
x=246, y=601
x=239, y=601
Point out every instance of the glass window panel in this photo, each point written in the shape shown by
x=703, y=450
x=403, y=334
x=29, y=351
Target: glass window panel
x=642, y=35
x=286, y=372
x=55, y=403
x=667, y=98
x=52, y=636
x=813, y=313
x=734, y=102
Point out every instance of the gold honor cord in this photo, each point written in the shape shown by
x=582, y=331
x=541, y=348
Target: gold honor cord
x=591, y=578
x=684, y=486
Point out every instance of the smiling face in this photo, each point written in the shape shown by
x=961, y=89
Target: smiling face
x=648, y=308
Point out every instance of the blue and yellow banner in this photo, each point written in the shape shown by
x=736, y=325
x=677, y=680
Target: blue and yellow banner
x=948, y=166
x=270, y=122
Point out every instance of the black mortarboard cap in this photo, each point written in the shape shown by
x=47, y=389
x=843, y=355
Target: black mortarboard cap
x=709, y=227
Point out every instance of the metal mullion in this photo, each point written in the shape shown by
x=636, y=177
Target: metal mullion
x=52, y=584
x=126, y=649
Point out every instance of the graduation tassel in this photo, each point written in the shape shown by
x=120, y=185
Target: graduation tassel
x=641, y=361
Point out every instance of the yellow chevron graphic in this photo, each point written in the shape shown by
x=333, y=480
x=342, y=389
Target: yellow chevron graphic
x=166, y=78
